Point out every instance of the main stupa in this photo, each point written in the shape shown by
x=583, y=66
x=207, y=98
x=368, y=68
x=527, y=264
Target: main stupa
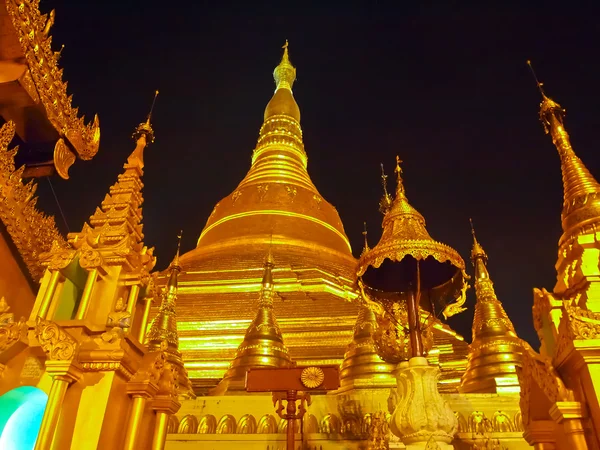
x=275, y=208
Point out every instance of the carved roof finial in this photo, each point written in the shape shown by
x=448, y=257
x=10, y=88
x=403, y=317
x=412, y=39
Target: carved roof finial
x=477, y=251
x=386, y=201
x=398, y=170
x=145, y=129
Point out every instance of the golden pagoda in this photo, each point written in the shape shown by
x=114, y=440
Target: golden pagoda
x=99, y=352
x=263, y=343
x=495, y=352
x=560, y=385
x=276, y=208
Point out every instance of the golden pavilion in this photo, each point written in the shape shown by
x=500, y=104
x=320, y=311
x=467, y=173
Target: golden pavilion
x=98, y=350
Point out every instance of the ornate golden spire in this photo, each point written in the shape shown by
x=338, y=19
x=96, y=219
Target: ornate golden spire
x=277, y=184
x=284, y=74
x=263, y=343
x=581, y=204
x=115, y=229
x=362, y=367
x=164, y=325
x=496, y=350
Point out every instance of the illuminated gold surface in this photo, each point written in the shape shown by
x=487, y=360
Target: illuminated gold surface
x=362, y=366
x=495, y=352
x=404, y=234
x=275, y=206
x=263, y=343
x=561, y=384
x=581, y=204
x=32, y=232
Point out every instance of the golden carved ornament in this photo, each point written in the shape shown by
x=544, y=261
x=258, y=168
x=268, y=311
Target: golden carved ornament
x=11, y=333
x=90, y=258
x=6, y=317
x=406, y=259
x=378, y=431
x=582, y=323
x=391, y=335
x=43, y=72
x=57, y=258
x=63, y=158
x=312, y=377
x=539, y=370
x=32, y=232
x=56, y=342
x=152, y=367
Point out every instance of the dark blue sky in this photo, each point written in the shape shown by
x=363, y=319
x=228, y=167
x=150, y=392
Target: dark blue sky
x=443, y=86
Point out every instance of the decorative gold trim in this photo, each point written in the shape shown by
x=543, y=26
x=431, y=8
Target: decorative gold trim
x=56, y=342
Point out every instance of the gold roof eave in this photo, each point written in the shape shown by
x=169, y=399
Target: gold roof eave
x=42, y=80
x=418, y=249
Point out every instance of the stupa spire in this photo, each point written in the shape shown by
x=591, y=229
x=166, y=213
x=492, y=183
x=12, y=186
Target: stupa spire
x=121, y=213
x=278, y=183
x=263, y=342
x=164, y=325
x=285, y=73
x=362, y=366
x=495, y=351
x=581, y=203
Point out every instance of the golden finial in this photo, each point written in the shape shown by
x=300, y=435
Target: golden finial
x=386, y=201
x=539, y=85
x=364, y=233
x=175, y=264
x=551, y=113
x=477, y=251
x=146, y=127
x=398, y=170
x=285, y=73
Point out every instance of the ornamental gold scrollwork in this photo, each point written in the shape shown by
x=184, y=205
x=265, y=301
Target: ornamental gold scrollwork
x=12, y=332
x=56, y=342
x=583, y=323
x=59, y=258
x=90, y=258
x=152, y=367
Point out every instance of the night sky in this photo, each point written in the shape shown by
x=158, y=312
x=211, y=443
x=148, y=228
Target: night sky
x=445, y=87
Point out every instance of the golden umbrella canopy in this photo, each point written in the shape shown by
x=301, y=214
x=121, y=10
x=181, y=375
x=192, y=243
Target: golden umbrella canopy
x=406, y=266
